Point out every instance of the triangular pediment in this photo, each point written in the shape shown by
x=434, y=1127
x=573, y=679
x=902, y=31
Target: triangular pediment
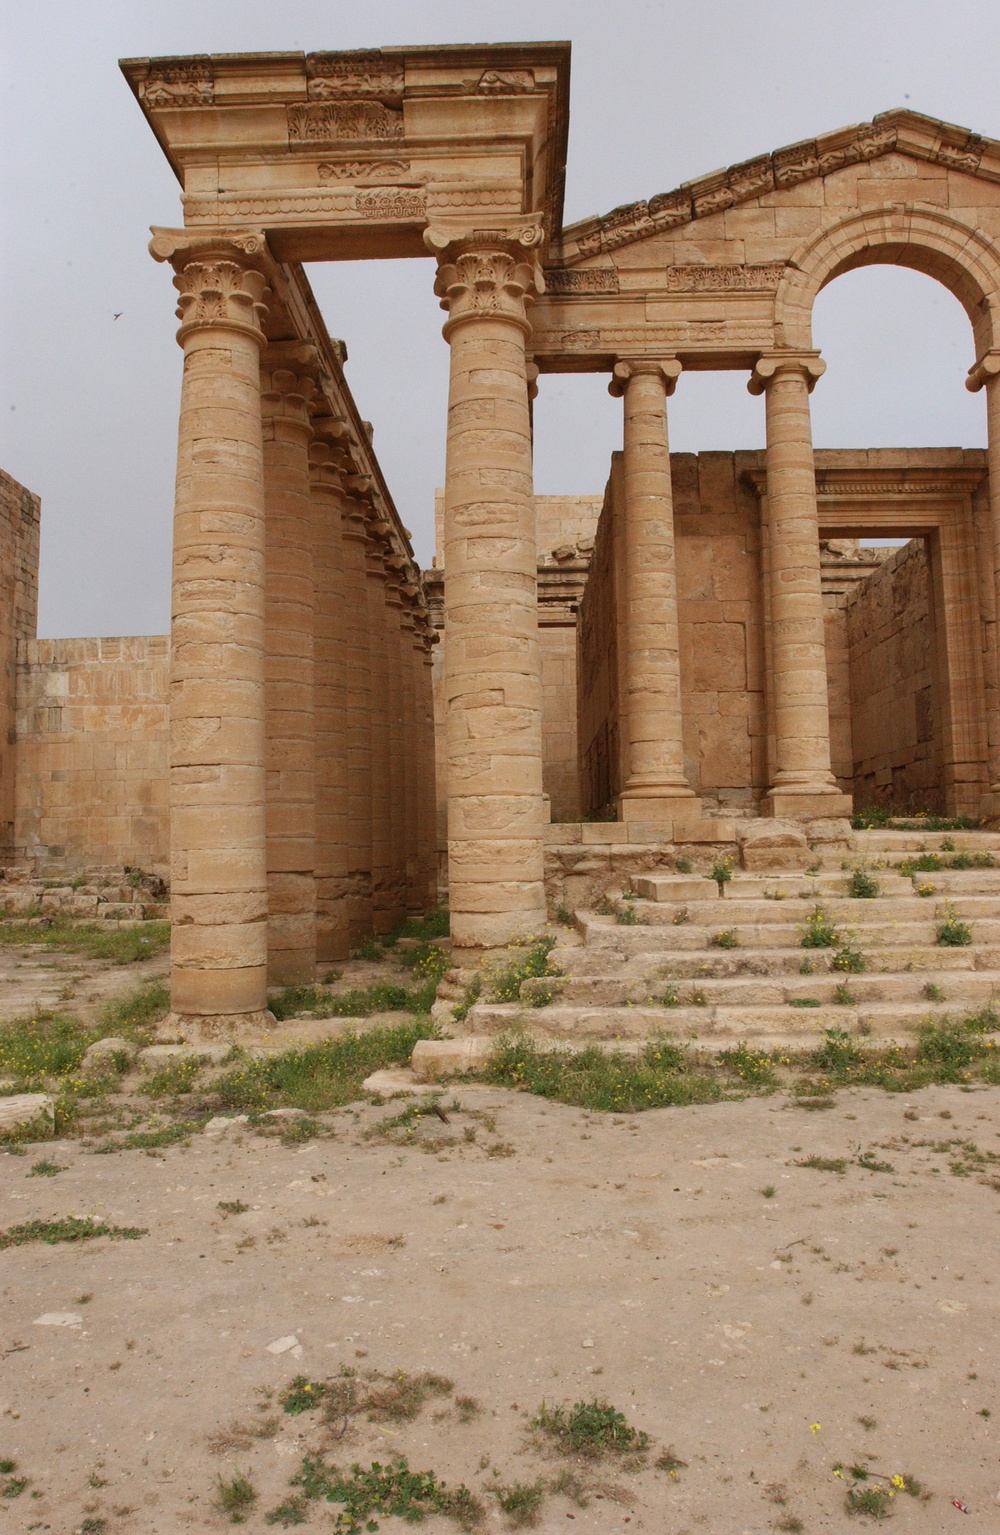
x=898, y=132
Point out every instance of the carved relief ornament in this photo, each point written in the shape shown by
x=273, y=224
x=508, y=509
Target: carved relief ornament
x=315, y=123
x=353, y=75
x=181, y=83
x=221, y=280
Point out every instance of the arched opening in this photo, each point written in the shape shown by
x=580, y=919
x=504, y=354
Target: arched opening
x=901, y=663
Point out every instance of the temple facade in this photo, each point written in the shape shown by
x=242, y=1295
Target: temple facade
x=703, y=641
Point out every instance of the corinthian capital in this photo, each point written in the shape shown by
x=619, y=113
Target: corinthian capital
x=221, y=279
x=485, y=273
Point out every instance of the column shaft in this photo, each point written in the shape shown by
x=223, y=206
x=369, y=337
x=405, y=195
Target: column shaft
x=332, y=835
x=381, y=796
x=802, y=781
x=358, y=665
x=492, y=668
x=656, y=778
x=289, y=664
x=987, y=373
x=218, y=977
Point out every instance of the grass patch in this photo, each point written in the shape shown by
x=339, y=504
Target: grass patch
x=361, y=1002
x=396, y=1398
x=593, y=1430
x=818, y=931
x=235, y=1497
x=392, y=1490
x=116, y=945
x=862, y=886
x=520, y=1501
x=72, y=1228
x=754, y=1067
x=46, y=1169
x=615, y=1082
x=149, y=1140
x=872, y=817
x=824, y=1164
x=320, y=1076
x=175, y=1078
x=952, y=932
x=727, y=938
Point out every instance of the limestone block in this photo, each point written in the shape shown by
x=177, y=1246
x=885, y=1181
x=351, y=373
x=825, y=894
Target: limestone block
x=596, y=833
x=436, y=1058
x=773, y=845
x=673, y=887
x=100, y=1055
x=25, y=1109
x=704, y=828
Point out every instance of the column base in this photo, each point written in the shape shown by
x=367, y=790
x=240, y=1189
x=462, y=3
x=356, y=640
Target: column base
x=662, y=807
x=787, y=805
x=194, y=1027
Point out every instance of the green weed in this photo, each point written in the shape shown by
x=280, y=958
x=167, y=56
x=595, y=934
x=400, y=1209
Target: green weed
x=824, y=1164
x=850, y=959
x=592, y=1429
x=613, y=1082
x=520, y=1501
x=863, y=887
x=176, y=1077
x=754, y=1067
x=46, y=1169
x=727, y=938
x=953, y=933
x=390, y=1490
x=525, y=961
x=235, y=1497
x=71, y=1228
x=818, y=931
x=116, y=945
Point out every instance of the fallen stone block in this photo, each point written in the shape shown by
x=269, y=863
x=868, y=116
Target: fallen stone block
x=434, y=1058
x=25, y=1109
x=101, y=1053
x=223, y=1123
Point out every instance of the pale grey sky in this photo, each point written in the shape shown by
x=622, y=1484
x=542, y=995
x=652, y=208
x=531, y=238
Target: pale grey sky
x=662, y=91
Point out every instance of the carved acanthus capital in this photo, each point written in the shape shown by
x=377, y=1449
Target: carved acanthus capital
x=290, y=379
x=668, y=369
x=986, y=368
x=485, y=273
x=222, y=280
x=770, y=365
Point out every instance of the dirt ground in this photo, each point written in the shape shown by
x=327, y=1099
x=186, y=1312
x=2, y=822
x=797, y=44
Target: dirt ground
x=559, y=1256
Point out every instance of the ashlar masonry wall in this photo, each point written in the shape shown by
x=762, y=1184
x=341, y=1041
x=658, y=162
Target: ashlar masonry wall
x=892, y=645
x=92, y=751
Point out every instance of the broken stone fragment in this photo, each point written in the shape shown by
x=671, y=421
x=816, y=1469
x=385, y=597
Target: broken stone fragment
x=25, y=1108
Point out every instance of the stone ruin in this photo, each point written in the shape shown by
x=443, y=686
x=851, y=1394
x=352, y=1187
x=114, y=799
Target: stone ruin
x=702, y=661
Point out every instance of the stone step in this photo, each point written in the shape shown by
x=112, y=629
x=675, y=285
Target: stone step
x=670, y=938
x=845, y=913
x=967, y=988
x=681, y=889
x=719, y=963
x=699, y=1022
x=872, y=843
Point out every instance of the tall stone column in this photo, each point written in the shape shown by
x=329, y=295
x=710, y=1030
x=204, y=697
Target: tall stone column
x=492, y=683
x=398, y=743
x=359, y=710
x=287, y=386
x=656, y=786
x=332, y=832
x=986, y=374
x=218, y=960
x=802, y=781
x=413, y=763
x=381, y=793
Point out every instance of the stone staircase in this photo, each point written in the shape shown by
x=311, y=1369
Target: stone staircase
x=676, y=955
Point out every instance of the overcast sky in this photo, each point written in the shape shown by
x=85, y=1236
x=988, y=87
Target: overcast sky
x=662, y=91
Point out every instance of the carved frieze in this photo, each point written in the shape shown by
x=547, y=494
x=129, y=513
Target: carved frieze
x=183, y=83
x=798, y=163
x=392, y=203
x=494, y=82
x=867, y=144
x=717, y=279
x=362, y=170
x=326, y=122
x=353, y=76
x=602, y=279
x=965, y=156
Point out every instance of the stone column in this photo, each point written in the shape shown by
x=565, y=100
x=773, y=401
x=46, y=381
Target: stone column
x=398, y=744
x=381, y=796
x=656, y=787
x=802, y=781
x=218, y=976
x=413, y=764
x=427, y=784
x=332, y=832
x=287, y=386
x=359, y=710
x=986, y=373
x=493, y=695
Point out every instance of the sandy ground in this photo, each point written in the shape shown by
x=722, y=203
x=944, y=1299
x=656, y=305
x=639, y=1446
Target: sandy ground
x=560, y=1256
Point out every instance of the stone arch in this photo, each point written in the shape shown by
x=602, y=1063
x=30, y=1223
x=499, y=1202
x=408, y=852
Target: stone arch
x=915, y=235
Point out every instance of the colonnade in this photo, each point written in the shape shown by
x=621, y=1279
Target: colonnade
x=301, y=730
x=301, y=740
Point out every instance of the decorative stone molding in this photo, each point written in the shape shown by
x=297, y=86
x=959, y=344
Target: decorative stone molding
x=720, y=279
x=362, y=170
x=770, y=364
x=353, y=75
x=221, y=280
x=179, y=83
x=982, y=371
x=318, y=123
x=602, y=279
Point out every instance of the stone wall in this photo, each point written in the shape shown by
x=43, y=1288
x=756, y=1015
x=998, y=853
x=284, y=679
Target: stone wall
x=92, y=752
x=892, y=646
x=19, y=521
